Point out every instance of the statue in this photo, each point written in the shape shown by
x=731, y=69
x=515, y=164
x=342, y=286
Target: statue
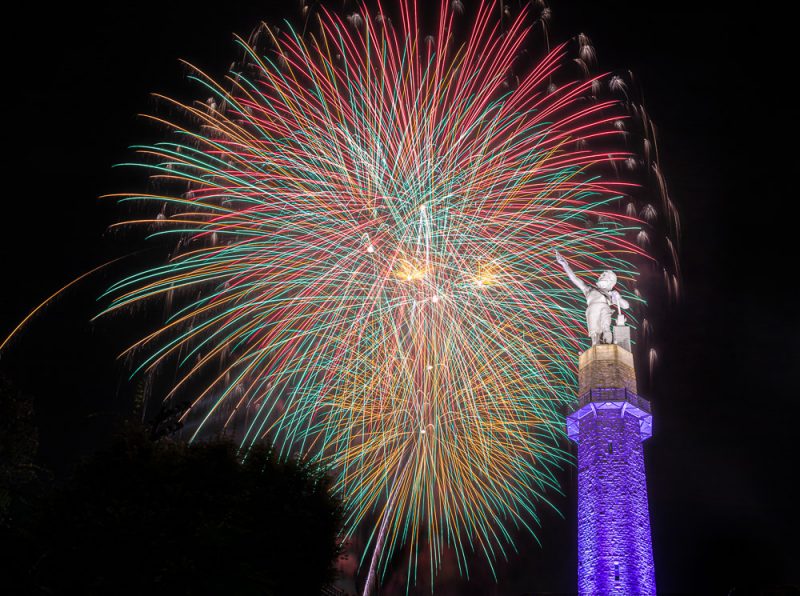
x=600, y=298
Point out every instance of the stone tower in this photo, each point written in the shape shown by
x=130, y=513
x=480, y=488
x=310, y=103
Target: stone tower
x=615, y=553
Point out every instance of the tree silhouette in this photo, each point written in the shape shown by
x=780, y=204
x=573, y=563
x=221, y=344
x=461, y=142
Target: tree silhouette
x=163, y=517
x=18, y=445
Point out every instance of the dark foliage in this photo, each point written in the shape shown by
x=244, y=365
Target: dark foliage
x=18, y=445
x=160, y=517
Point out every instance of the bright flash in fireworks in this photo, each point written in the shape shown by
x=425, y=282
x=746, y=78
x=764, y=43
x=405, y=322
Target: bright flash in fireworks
x=365, y=220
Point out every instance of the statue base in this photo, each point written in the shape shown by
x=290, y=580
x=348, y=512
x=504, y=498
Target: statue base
x=622, y=337
x=606, y=366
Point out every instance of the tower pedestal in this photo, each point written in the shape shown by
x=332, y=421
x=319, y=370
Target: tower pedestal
x=615, y=554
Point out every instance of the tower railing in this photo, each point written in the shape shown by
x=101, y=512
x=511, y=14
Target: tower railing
x=613, y=394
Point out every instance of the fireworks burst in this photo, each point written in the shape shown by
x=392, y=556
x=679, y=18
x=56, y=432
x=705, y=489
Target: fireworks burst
x=365, y=220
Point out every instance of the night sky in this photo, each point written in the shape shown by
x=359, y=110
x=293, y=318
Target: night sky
x=723, y=455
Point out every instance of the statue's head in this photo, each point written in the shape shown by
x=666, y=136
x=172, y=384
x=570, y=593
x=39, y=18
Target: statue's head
x=607, y=280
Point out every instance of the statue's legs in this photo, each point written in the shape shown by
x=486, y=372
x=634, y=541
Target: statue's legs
x=605, y=325
x=598, y=322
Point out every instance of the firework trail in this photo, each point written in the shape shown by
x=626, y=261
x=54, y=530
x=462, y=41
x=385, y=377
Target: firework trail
x=364, y=220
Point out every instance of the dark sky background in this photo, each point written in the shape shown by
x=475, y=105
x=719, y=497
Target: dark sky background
x=721, y=464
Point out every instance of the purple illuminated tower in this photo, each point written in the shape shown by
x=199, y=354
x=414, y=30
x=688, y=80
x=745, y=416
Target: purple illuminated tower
x=615, y=553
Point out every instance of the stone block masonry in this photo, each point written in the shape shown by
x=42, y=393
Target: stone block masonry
x=614, y=545
x=606, y=366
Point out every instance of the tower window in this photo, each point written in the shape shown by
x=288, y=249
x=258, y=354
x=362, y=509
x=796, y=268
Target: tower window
x=610, y=447
x=616, y=572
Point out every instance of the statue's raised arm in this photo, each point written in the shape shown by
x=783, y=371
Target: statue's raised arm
x=571, y=274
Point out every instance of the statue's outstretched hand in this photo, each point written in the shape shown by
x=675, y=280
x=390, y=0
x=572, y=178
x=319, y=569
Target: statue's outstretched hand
x=570, y=273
